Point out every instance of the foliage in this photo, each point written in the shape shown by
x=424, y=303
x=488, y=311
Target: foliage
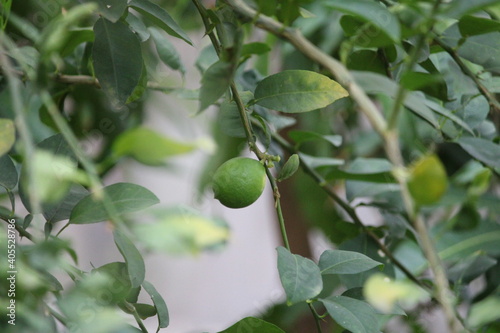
x=393, y=103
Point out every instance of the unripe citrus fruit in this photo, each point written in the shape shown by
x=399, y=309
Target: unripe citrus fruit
x=428, y=180
x=239, y=182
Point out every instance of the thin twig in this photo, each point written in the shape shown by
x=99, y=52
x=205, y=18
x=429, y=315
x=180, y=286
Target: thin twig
x=317, y=317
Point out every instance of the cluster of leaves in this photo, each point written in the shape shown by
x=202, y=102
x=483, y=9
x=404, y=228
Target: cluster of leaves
x=431, y=67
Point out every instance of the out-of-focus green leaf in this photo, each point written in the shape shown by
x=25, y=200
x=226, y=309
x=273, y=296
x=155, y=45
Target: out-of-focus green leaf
x=138, y=26
x=372, y=12
x=7, y=135
x=112, y=9
x=303, y=136
x=482, y=150
x=472, y=25
x=166, y=51
x=124, y=198
x=300, y=277
x=8, y=174
x=318, y=162
x=470, y=268
x=148, y=146
x=145, y=310
x=117, y=59
x=214, y=83
x=459, y=8
x=295, y=91
x=229, y=116
x=484, y=312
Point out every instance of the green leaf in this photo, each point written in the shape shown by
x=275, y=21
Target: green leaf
x=470, y=268
x=75, y=38
x=303, y=136
x=470, y=117
x=124, y=197
x=372, y=12
x=291, y=166
x=377, y=84
x=484, y=312
x=160, y=17
x=229, y=116
x=117, y=59
x=252, y=325
x=214, y=83
x=459, y=8
x=61, y=210
x=145, y=310
x=482, y=150
x=379, y=169
x=112, y=9
x=318, y=162
x=352, y=314
x=160, y=305
x=138, y=27
x=300, y=277
x=135, y=264
x=472, y=25
x=295, y=91
x=8, y=174
x=166, y=51
x=181, y=230
x=7, y=135
x=116, y=287
x=254, y=48
x=148, y=146
x=345, y=262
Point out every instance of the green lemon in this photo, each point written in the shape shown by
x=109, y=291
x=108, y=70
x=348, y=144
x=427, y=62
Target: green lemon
x=428, y=180
x=239, y=182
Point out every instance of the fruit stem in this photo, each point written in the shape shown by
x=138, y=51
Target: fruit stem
x=277, y=206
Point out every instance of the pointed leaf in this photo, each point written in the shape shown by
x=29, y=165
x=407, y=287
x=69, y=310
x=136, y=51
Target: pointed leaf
x=303, y=136
x=166, y=51
x=300, y=277
x=61, y=210
x=160, y=17
x=117, y=57
x=252, y=325
x=8, y=173
x=482, y=149
x=295, y=91
x=290, y=167
x=214, y=83
x=352, y=314
x=112, y=9
x=160, y=305
x=125, y=198
x=345, y=262
x=135, y=264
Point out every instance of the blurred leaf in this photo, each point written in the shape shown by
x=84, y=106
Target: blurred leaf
x=472, y=25
x=303, y=136
x=7, y=135
x=252, y=325
x=290, y=167
x=384, y=293
x=267, y=7
x=124, y=197
x=145, y=310
x=345, y=262
x=166, y=50
x=138, y=27
x=61, y=210
x=470, y=268
x=467, y=124
x=482, y=150
x=229, y=116
x=295, y=91
x=214, y=83
x=160, y=17
x=366, y=60
x=300, y=277
x=317, y=162
x=254, y=48
x=135, y=264
x=148, y=146
x=117, y=287
x=8, y=174
x=373, y=169
x=112, y=9
x=117, y=60
x=352, y=314
x=181, y=230
x=459, y=8
x=76, y=37
x=484, y=312
x=428, y=180
x=372, y=12
x=161, y=307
